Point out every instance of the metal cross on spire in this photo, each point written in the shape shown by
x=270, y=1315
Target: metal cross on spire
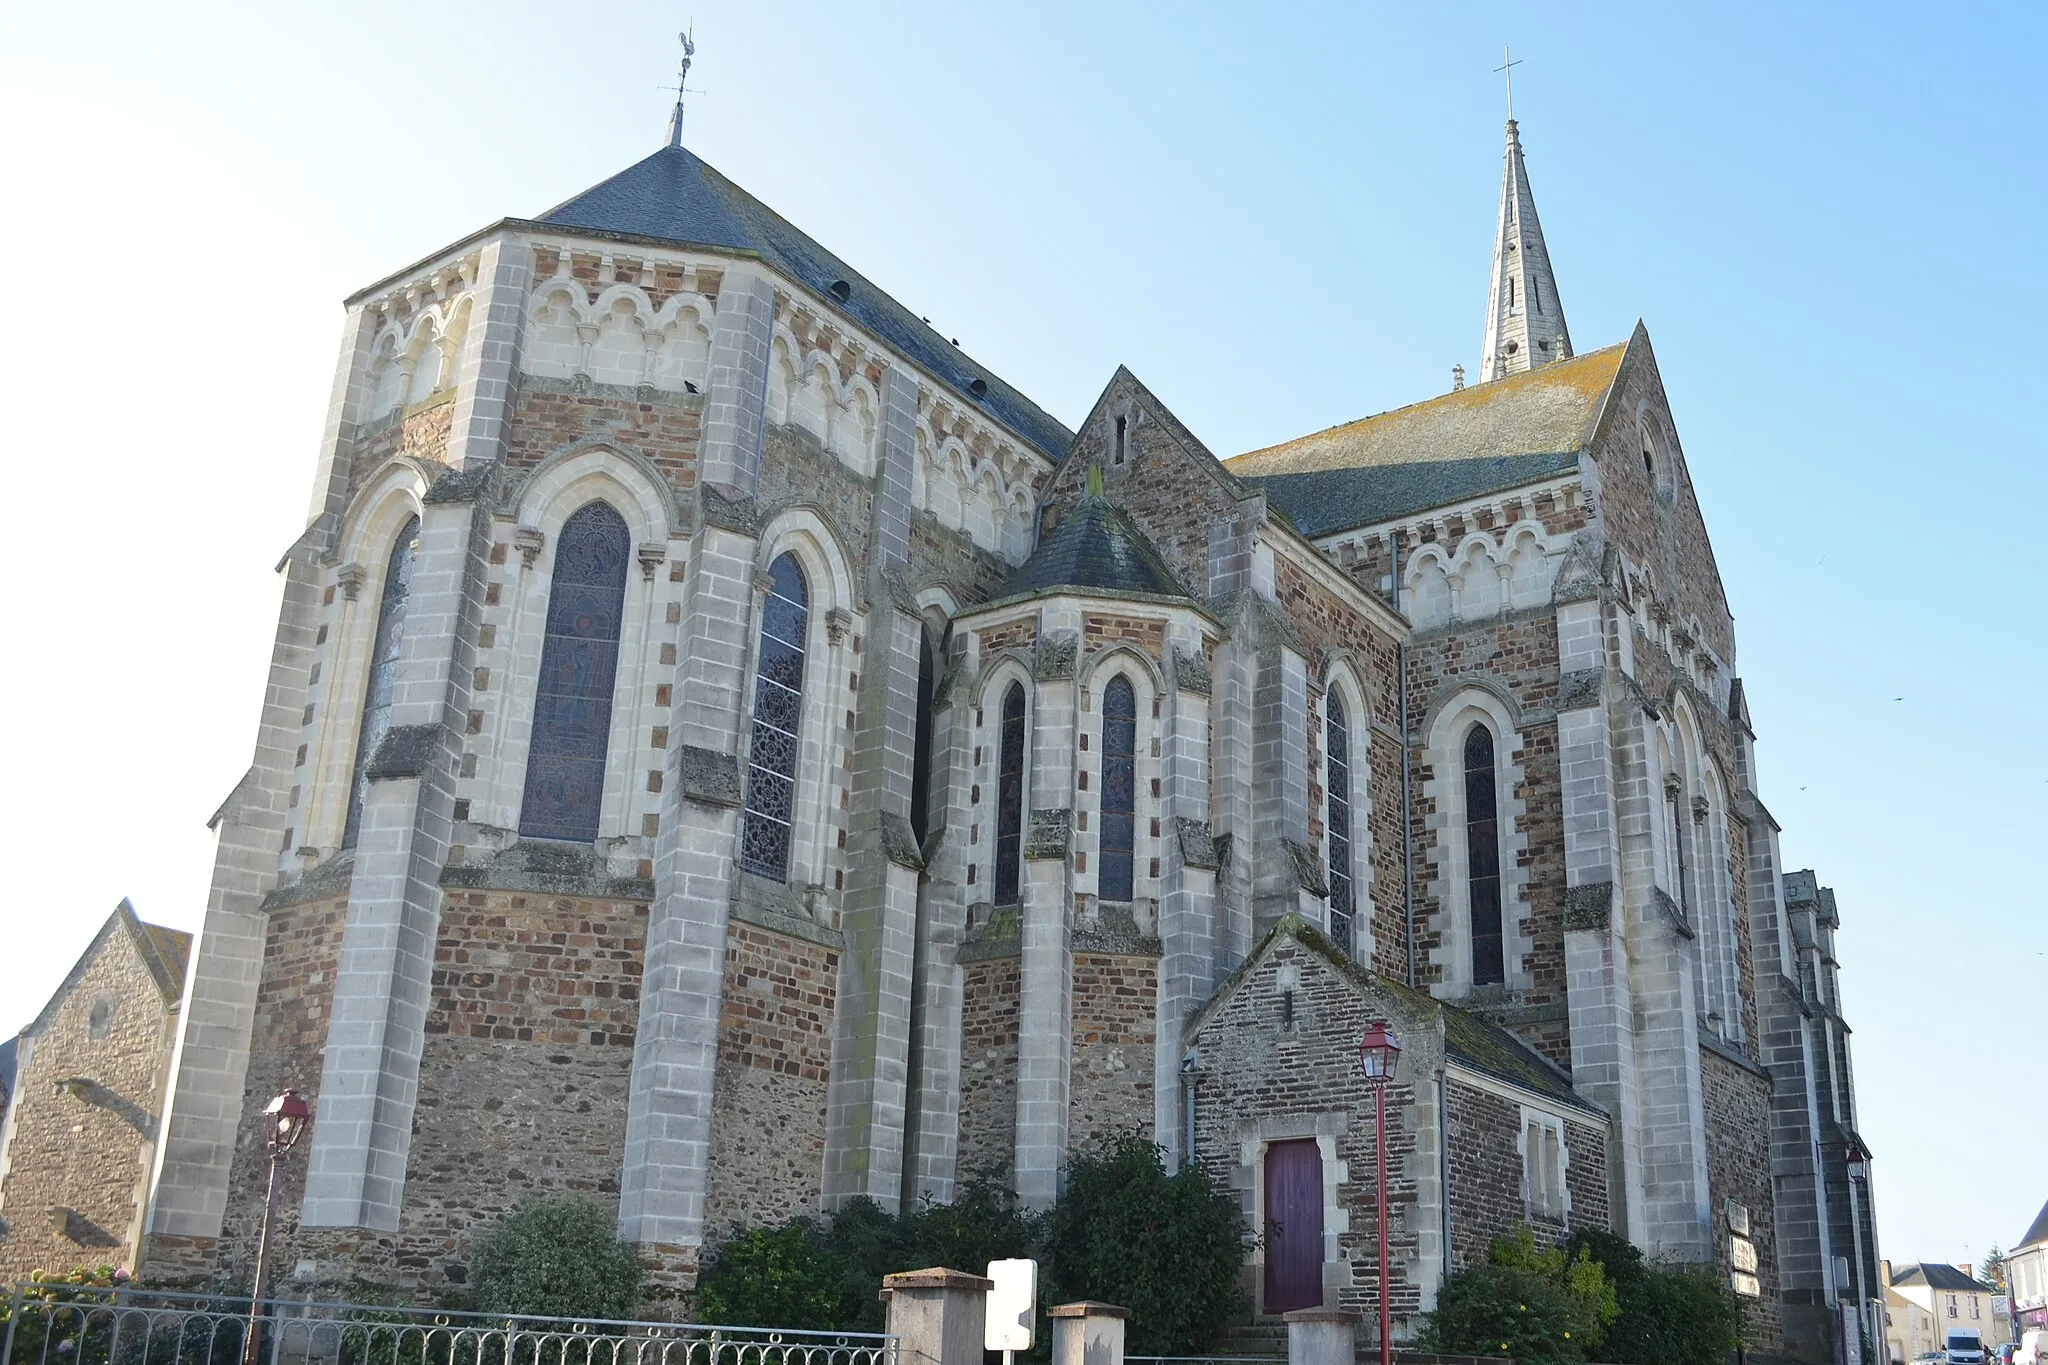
x=675, y=122
x=1506, y=70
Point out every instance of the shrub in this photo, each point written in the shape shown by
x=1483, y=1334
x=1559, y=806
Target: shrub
x=1167, y=1247
x=1670, y=1315
x=1496, y=1310
x=780, y=1276
x=1533, y=1303
x=556, y=1258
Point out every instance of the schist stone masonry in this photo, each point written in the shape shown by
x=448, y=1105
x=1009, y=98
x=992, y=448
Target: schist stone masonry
x=727, y=752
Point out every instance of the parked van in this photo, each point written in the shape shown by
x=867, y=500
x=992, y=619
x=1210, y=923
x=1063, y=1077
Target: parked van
x=2033, y=1348
x=1965, y=1347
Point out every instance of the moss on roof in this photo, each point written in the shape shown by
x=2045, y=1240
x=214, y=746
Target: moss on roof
x=1469, y=1040
x=1455, y=446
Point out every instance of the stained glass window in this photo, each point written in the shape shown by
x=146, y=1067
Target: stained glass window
x=1482, y=851
x=384, y=652
x=1010, y=799
x=579, y=662
x=778, y=719
x=921, y=742
x=1337, y=751
x=1119, y=789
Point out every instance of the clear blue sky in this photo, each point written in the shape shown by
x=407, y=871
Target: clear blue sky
x=1279, y=217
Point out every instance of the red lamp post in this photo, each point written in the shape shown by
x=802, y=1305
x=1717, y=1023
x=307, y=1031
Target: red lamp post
x=285, y=1120
x=1377, y=1056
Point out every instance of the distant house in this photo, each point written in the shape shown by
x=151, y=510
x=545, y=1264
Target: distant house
x=1925, y=1301
x=2026, y=1274
x=84, y=1099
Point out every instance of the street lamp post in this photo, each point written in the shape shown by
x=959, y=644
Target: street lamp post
x=285, y=1120
x=1377, y=1056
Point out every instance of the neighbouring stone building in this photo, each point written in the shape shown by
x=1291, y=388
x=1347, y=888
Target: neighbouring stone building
x=78, y=1142
x=726, y=752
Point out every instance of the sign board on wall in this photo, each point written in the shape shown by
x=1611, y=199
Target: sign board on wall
x=1012, y=1306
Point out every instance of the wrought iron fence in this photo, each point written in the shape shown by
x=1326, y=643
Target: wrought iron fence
x=67, y=1325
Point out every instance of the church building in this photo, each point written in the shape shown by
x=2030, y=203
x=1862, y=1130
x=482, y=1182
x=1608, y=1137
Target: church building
x=727, y=752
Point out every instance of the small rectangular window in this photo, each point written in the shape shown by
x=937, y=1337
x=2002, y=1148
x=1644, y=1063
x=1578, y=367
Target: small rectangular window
x=1543, y=1166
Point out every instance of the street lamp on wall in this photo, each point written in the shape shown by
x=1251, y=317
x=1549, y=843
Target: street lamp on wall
x=1858, y=1159
x=285, y=1121
x=1378, y=1054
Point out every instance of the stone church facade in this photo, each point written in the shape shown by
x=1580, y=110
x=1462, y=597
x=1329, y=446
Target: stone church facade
x=726, y=752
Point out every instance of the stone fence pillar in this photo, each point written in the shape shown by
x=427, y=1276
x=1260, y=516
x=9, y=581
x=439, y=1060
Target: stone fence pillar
x=1322, y=1336
x=1089, y=1333
x=937, y=1315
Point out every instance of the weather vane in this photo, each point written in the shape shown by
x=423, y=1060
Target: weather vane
x=675, y=123
x=1506, y=69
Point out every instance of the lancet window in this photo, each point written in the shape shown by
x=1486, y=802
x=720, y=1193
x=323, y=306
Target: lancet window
x=1337, y=751
x=1482, y=851
x=1010, y=799
x=778, y=723
x=579, y=663
x=1119, y=790
x=384, y=652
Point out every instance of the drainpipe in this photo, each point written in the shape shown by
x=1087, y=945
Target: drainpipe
x=1190, y=1068
x=1443, y=1157
x=1407, y=781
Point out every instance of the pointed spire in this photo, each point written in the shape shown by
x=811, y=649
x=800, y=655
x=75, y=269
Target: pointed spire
x=1525, y=325
x=675, y=120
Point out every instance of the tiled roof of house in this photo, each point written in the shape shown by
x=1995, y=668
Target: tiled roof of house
x=1098, y=548
x=2038, y=1231
x=1936, y=1276
x=1458, y=445
x=673, y=196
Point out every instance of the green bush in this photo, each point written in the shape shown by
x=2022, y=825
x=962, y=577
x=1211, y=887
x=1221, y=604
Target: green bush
x=556, y=1258
x=1532, y=1303
x=1167, y=1247
x=1670, y=1314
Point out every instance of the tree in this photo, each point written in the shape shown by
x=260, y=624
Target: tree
x=1992, y=1271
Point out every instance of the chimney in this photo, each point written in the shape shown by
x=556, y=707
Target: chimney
x=1457, y=378
x=1884, y=1274
x=1965, y=1268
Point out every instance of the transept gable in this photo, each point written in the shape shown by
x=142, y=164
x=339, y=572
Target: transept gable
x=164, y=952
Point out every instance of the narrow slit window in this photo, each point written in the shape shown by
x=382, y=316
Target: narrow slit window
x=778, y=712
x=1482, y=849
x=1678, y=862
x=921, y=744
x=1120, y=427
x=1119, y=789
x=579, y=663
x=1337, y=747
x=1010, y=799
x=1511, y=293
x=384, y=652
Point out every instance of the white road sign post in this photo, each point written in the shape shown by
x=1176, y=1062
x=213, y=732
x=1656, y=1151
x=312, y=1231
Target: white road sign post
x=1012, y=1307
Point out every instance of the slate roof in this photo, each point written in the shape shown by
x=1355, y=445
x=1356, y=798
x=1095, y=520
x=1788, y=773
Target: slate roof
x=2038, y=1232
x=1469, y=1040
x=673, y=196
x=1095, y=547
x=1943, y=1277
x=1458, y=445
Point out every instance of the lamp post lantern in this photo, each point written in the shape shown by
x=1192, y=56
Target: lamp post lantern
x=285, y=1120
x=1858, y=1159
x=1378, y=1054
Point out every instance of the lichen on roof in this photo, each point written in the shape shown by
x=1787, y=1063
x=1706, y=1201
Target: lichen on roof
x=1472, y=1041
x=1457, y=445
x=1095, y=547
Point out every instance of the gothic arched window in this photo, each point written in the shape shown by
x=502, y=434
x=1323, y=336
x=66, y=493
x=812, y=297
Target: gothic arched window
x=778, y=723
x=1482, y=852
x=1337, y=756
x=384, y=652
x=922, y=740
x=579, y=661
x=1010, y=799
x=1119, y=790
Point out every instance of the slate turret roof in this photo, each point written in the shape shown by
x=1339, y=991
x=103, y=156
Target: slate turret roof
x=1456, y=446
x=673, y=196
x=1097, y=549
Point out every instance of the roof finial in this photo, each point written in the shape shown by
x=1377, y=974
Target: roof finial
x=1506, y=69
x=675, y=121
